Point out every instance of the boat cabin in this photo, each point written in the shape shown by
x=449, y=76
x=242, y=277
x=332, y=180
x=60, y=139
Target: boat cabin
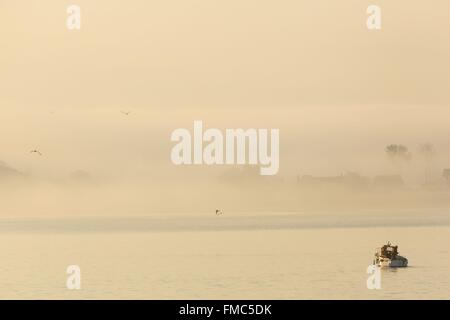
x=388, y=251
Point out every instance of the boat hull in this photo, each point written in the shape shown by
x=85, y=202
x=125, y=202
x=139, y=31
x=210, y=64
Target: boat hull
x=399, y=262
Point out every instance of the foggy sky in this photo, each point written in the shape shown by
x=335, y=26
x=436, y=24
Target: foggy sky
x=338, y=92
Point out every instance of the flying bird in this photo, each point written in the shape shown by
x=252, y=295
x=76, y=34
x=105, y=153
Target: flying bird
x=218, y=212
x=126, y=112
x=36, y=151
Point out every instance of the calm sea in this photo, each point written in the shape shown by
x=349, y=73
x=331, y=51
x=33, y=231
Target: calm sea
x=256, y=257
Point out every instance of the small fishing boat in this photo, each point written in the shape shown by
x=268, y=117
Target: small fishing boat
x=387, y=256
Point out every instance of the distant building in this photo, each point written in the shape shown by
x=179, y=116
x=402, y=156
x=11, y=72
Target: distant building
x=6, y=172
x=81, y=176
x=446, y=174
x=316, y=181
x=347, y=180
x=392, y=180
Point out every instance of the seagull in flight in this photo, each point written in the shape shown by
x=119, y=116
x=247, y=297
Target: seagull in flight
x=125, y=112
x=218, y=212
x=36, y=151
